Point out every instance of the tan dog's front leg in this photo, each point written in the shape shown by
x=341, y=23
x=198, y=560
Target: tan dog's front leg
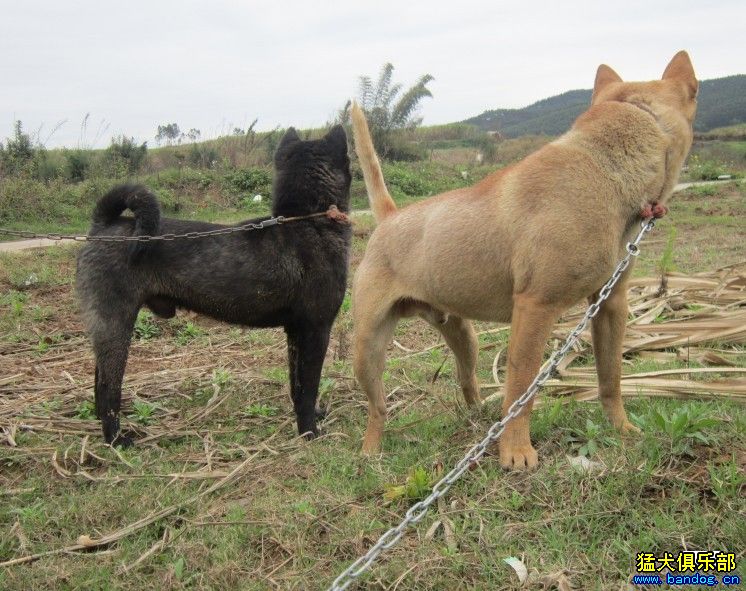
x=608, y=334
x=529, y=330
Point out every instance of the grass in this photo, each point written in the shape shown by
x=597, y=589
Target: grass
x=209, y=399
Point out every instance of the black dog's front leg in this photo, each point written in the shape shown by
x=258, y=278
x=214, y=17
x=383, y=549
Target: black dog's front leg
x=306, y=351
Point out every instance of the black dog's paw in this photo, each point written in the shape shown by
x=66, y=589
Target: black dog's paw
x=113, y=436
x=309, y=433
x=124, y=439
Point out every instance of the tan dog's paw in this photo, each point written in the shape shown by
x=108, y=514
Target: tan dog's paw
x=370, y=447
x=627, y=428
x=519, y=457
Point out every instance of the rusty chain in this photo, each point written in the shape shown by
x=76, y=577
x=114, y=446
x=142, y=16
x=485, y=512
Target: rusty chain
x=332, y=213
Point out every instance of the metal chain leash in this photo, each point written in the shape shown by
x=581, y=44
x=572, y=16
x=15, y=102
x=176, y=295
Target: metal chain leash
x=417, y=511
x=332, y=213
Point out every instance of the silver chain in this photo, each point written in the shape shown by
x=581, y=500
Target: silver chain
x=164, y=237
x=417, y=511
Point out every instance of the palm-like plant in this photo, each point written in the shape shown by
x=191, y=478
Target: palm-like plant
x=387, y=108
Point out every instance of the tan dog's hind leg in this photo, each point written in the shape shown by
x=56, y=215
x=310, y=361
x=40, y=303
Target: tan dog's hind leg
x=608, y=333
x=375, y=320
x=530, y=328
x=461, y=338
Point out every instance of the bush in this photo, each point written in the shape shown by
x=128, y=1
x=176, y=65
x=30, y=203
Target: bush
x=249, y=180
x=202, y=155
x=17, y=152
x=124, y=157
x=77, y=164
x=406, y=181
x=182, y=179
x=704, y=170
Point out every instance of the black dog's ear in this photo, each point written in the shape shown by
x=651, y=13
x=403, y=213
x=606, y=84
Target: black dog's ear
x=290, y=137
x=337, y=138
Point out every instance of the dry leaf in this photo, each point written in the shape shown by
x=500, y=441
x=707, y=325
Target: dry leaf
x=517, y=565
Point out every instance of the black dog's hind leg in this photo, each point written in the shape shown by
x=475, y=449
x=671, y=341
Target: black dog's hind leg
x=111, y=348
x=306, y=351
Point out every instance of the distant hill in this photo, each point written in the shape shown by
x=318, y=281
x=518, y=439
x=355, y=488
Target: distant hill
x=721, y=102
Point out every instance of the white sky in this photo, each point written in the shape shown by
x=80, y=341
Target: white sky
x=217, y=64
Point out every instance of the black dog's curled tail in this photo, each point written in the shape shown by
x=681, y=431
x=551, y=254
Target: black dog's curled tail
x=143, y=205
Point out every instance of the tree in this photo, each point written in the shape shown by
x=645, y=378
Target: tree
x=169, y=132
x=17, y=152
x=388, y=109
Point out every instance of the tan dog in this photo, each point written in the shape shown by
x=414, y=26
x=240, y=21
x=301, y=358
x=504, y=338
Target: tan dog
x=524, y=244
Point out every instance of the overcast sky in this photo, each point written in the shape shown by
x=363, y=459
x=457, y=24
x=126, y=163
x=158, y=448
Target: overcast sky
x=219, y=64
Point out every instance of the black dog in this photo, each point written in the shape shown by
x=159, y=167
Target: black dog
x=291, y=275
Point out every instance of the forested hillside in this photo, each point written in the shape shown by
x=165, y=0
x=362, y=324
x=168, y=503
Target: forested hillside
x=722, y=101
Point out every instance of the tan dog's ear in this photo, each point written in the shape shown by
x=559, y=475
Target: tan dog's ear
x=680, y=68
x=604, y=76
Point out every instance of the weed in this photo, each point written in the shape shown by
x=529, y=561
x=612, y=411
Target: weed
x=16, y=302
x=418, y=486
x=727, y=480
x=86, y=411
x=705, y=190
x=304, y=507
x=684, y=426
x=144, y=412
x=188, y=333
x=221, y=377
x=261, y=410
x=33, y=513
x=44, y=343
x=276, y=374
x=587, y=440
x=145, y=326
x=666, y=264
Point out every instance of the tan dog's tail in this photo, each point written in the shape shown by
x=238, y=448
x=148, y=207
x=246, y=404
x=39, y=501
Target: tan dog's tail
x=380, y=200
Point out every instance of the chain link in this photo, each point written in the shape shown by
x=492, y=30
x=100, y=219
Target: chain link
x=164, y=237
x=333, y=213
x=417, y=511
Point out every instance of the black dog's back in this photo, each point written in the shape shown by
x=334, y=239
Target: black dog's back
x=291, y=275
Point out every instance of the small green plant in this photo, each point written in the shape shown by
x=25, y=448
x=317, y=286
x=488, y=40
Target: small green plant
x=85, y=411
x=261, y=410
x=587, y=440
x=46, y=342
x=16, y=301
x=705, y=190
x=143, y=412
x=418, y=485
x=684, y=425
x=188, y=333
x=346, y=303
x=32, y=513
x=304, y=507
x=276, y=374
x=666, y=263
x=179, y=568
x=726, y=480
x=145, y=326
x=221, y=377
x=326, y=385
